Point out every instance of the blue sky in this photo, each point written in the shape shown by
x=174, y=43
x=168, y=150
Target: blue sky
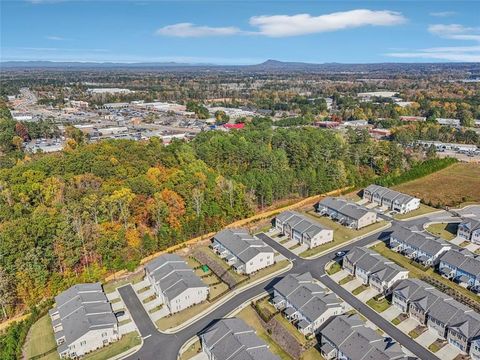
x=240, y=32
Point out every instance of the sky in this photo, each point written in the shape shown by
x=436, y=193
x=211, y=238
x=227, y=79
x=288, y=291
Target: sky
x=240, y=32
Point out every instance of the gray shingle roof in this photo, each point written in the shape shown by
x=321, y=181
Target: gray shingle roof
x=173, y=275
x=241, y=244
x=233, y=339
x=420, y=241
x=349, y=334
x=82, y=308
x=389, y=194
x=300, y=223
x=347, y=208
x=306, y=295
x=464, y=260
x=470, y=224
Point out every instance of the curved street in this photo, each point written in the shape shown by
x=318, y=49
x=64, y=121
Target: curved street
x=159, y=345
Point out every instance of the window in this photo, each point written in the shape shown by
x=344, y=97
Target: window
x=82, y=343
x=104, y=334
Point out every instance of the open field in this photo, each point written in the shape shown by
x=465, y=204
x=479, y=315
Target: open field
x=416, y=272
x=341, y=233
x=133, y=278
x=41, y=340
x=446, y=231
x=452, y=186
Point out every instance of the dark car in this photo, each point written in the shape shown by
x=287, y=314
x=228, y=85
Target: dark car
x=120, y=313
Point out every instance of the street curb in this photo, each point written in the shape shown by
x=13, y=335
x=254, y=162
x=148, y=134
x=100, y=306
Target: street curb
x=224, y=300
x=387, y=226
x=130, y=351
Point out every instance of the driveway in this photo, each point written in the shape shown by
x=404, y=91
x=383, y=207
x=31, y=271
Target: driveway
x=367, y=294
x=146, y=294
x=407, y=325
x=127, y=328
x=457, y=240
x=200, y=356
x=391, y=313
x=352, y=285
x=159, y=314
x=279, y=257
x=472, y=247
x=427, y=338
x=448, y=352
x=339, y=275
x=290, y=244
x=140, y=285
x=300, y=249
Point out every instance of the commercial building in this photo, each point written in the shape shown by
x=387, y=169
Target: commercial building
x=346, y=212
x=175, y=283
x=469, y=229
x=391, y=199
x=424, y=249
x=461, y=266
x=449, y=319
x=373, y=269
x=83, y=320
x=233, y=339
x=305, y=302
x=246, y=253
x=302, y=229
x=347, y=337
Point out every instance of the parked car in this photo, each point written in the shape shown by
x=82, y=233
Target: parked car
x=120, y=313
x=340, y=253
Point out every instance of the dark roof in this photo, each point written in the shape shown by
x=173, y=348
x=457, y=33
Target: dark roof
x=345, y=207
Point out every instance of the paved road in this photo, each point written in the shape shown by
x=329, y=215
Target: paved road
x=163, y=346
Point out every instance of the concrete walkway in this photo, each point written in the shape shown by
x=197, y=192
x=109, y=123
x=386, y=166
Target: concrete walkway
x=391, y=313
x=427, y=338
x=407, y=325
x=300, y=249
x=448, y=352
x=367, y=294
x=352, y=285
x=339, y=275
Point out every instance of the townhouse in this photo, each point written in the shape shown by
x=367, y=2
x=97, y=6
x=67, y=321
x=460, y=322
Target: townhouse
x=391, y=199
x=233, y=339
x=346, y=212
x=449, y=319
x=175, y=283
x=347, y=337
x=469, y=229
x=302, y=229
x=83, y=320
x=246, y=253
x=305, y=302
x=461, y=266
x=418, y=246
x=373, y=269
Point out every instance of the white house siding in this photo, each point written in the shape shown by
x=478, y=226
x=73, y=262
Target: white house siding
x=93, y=340
x=259, y=262
x=476, y=236
x=367, y=219
x=325, y=236
x=187, y=298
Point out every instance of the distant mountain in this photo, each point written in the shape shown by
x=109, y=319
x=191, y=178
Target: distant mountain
x=267, y=66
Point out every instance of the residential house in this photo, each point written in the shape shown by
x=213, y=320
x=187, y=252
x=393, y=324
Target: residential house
x=233, y=339
x=246, y=253
x=418, y=246
x=175, y=283
x=373, y=269
x=391, y=199
x=83, y=320
x=451, y=320
x=302, y=229
x=305, y=302
x=346, y=337
x=346, y=212
x=461, y=266
x=469, y=229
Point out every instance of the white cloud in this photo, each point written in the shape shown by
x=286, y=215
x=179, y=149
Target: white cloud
x=449, y=53
x=291, y=25
x=455, y=32
x=54, y=38
x=443, y=13
x=301, y=24
x=191, y=30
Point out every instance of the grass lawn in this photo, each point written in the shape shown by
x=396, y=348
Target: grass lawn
x=191, y=351
x=112, y=285
x=207, y=251
x=378, y=306
x=422, y=210
x=295, y=246
x=312, y=354
x=284, y=241
x=41, y=340
x=250, y=317
x=436, y=345
x=123, y=322
x=359, y=289
x=341, y=233
x=346, y=279
x=334, y=268
x=464, y=244
x=447, y=231
x=415, y=272
x=419, y=330
x=456, y=184
x=148, y=299
x=126, y=342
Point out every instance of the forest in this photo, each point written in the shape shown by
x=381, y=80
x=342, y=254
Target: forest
x=94, y=208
